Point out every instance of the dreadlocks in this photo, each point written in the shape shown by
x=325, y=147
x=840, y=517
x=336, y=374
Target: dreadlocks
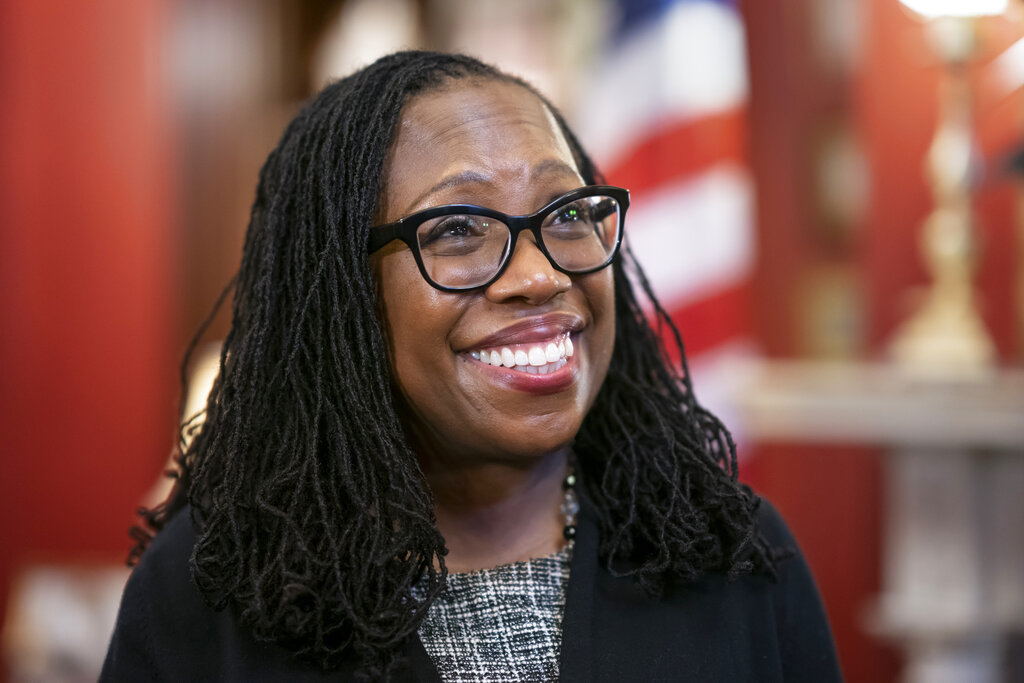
x=314, y=520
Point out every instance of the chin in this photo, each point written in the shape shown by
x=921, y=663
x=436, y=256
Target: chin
x=541, y=441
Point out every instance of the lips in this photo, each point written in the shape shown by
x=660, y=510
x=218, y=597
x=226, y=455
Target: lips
x=534, y=329
x=537, y=348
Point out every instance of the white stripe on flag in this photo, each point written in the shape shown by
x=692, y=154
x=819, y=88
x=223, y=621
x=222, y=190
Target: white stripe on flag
x=687, y=63
x=695, y=236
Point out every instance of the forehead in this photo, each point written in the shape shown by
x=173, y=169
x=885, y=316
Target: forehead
x=472, y=139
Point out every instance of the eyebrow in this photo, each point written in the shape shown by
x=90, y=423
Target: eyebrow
x=546, y=167
x=449, y=183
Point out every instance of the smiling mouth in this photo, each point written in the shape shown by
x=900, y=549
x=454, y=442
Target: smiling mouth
x=536, y=358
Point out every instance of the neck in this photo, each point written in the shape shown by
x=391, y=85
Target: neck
x=494, y=513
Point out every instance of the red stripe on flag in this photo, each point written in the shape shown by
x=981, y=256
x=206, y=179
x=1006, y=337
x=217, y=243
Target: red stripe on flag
x=722, y=316
x=683, y=149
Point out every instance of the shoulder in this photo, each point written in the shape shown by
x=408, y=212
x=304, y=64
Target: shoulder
x=160, y=609
x=772, y=527
x=166, y=631
x=753, y=627
x=794, y=580
x=804, y=639
x=165, y=564
x=163, y=581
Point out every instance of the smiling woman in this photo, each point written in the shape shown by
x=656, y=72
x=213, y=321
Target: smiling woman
x=444, y=442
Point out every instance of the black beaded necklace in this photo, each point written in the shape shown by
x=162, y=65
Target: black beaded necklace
x=571, y=504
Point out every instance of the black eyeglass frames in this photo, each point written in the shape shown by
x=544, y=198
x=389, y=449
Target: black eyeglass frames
x=464, y=246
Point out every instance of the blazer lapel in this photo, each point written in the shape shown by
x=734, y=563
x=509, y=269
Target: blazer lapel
x=419, y=668
x=575, y=661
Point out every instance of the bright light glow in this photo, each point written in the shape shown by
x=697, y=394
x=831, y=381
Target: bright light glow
x=956, y=8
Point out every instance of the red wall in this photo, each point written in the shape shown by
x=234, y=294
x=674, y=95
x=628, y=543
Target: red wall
x=87, y=259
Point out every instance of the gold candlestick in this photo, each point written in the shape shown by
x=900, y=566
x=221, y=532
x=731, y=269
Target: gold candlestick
x=946, y=337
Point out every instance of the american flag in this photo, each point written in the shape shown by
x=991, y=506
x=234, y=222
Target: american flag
x=666, y=117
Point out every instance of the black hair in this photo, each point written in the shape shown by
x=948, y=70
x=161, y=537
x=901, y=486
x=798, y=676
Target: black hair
x=314, y=520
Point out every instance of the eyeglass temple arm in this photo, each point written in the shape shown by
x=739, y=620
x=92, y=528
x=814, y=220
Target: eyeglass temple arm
x=381, y=235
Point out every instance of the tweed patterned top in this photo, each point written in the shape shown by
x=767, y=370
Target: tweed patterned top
x=500, y=624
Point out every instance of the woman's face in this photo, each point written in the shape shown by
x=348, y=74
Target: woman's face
x=492, y=144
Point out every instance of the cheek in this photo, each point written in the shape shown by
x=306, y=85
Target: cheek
x=417, y=320
x=600, y=291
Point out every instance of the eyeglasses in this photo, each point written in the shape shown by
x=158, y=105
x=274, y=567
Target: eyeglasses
x=462, y=246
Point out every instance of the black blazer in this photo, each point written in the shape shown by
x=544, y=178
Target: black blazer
x=750, y=629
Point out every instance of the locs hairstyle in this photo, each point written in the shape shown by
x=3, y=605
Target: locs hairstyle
x=314, y=520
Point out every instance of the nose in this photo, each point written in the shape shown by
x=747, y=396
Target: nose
x=529, y=276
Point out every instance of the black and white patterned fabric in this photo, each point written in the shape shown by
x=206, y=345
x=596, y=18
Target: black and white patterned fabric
x=501, y=624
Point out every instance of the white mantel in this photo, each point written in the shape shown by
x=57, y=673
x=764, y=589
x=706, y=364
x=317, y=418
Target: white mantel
x=953, y=557
x=876, y=403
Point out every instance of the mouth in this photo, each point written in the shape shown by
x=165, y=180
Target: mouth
x=540, y=357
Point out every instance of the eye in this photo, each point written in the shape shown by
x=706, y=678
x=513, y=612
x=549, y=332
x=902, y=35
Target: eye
x=449, y=227
x=573, y=221
x=455, y=234
x=572, y=213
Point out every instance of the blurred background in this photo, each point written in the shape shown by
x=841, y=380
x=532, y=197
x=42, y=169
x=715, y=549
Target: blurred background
x=827, y=197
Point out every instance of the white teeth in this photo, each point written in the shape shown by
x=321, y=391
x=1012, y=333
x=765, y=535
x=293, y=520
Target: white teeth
x=533, y=360
x=551, y=367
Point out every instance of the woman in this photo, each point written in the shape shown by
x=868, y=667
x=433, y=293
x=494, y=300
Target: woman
x=415, y=399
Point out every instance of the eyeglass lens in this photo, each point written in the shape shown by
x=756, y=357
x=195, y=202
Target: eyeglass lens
x=466, y=250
